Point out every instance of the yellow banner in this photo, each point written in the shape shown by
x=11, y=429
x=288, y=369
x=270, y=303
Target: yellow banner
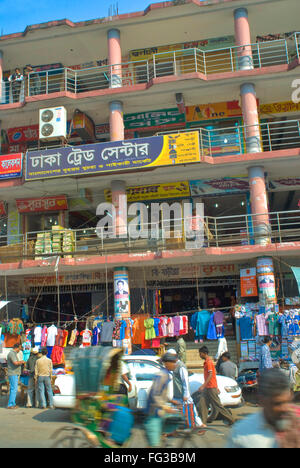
x=279, y=107
x=218, y=110
x=154, y=192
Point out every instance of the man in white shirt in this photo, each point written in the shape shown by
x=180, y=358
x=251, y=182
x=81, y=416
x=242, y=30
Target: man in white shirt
x=277, y=425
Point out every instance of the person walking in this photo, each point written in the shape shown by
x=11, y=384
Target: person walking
x=226, y=367
x=32, y=391
x=209, y=392
x=43, y=373
x=182, y=394
x=14, y=367
x=277, y=424
x=158, y=403
x=265, y=359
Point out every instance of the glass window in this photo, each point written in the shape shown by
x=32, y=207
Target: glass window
x=143, y=370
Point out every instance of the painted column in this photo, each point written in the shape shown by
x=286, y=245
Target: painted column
x=115, y=58
x=259, y=205
x=266, y=280
x=122, y=301
x=1, y=79
x=243, y=39
x=116, y=121
x=119, y=201
x=251, y=119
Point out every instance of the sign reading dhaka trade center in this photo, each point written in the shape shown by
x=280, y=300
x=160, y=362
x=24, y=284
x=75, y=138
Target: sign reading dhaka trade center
x=174, y=149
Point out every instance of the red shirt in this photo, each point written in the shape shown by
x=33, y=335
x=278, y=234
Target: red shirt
x=210, y=368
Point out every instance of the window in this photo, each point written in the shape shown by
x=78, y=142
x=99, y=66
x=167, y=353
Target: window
x=143, y=370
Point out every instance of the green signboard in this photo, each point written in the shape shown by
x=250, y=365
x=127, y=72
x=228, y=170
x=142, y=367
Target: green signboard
x=157, y=118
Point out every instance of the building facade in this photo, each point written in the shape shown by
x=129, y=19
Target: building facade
x=193, y=103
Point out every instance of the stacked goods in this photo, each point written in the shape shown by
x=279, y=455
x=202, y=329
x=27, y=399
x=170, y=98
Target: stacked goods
x=68, y=242
x=39, y=245
x=48, y=243
x=57, y=238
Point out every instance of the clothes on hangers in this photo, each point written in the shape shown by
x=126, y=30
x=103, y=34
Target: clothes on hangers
x=51, y=336
x=73, y=337
x=86, y=337
x=219, y=323
x=211, y=332
x=107, y=332
x=262, y=326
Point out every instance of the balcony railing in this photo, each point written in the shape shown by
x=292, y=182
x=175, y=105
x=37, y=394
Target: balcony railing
x=268, y=136
x=178, y=62
x=226, y=231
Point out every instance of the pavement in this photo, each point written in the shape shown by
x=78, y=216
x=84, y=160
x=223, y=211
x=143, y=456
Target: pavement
x=33, y=428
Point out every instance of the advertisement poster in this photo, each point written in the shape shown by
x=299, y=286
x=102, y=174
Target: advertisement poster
x=266, y=280
x=154, y=192
x=174, y=149
x=248, y=282
x=235, y=184
x=121, y=294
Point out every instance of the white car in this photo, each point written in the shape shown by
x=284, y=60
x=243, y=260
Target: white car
x=142, y=372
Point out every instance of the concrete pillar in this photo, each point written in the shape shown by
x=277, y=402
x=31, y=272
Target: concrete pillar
x=1, y=78
x=115, y=58
x=259, y=205
x=251, y=119
x=119, y=201
x=243, y=39
x=266, y=280
x=116, y=121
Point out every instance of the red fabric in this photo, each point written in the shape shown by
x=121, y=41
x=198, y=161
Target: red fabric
x=57, y=355
x=156, y=343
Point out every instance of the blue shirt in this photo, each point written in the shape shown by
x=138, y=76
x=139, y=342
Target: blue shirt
x=265, y=361
x=246, y=328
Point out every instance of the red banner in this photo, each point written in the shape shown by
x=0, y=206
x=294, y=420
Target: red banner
x=2, y=208
x=23, y=134
x=11, y=165
x=34, y=205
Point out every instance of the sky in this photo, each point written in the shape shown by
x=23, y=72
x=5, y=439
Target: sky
x=15, y=15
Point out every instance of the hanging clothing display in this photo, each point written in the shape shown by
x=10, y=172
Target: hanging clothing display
x=107, y=332
x=149, y=327
x=86, y=337
x=211, y=332
x=199, y=322
x=51, y=336
x=219, y=323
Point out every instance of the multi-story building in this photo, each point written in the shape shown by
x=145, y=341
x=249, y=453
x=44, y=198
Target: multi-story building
x=214, y=81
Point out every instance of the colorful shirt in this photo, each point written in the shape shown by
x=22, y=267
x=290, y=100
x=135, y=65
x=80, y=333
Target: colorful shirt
x=262, y=325
x=86, y=337
x=209, y=368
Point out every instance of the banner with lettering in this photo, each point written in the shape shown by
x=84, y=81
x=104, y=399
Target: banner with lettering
x=11, y=165
x=248, y=282
x=33, y=205
x=235, y=184
x=154, y=192
x=174, y=149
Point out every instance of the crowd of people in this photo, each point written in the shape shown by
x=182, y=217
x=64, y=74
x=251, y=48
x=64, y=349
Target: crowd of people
x=39, y=370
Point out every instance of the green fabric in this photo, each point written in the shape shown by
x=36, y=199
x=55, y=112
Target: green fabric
x=150, y=331
x=274, y=326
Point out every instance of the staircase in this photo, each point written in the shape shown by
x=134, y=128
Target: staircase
x=193, y=361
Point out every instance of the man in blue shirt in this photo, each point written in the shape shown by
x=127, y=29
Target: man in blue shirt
x=265, y=361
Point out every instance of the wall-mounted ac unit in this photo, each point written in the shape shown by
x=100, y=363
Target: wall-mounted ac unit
x=53, y=123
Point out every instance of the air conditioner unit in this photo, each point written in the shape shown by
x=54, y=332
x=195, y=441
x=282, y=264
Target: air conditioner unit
x=53, y=123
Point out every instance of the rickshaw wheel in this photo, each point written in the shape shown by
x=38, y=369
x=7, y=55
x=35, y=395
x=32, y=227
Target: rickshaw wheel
x=75, y=438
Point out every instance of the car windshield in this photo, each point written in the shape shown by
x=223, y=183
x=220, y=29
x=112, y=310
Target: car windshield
x=143, y=370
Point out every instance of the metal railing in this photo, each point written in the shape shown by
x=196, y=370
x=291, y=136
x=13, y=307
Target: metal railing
x=239, y=230
x=267, y=136
x=178, y=62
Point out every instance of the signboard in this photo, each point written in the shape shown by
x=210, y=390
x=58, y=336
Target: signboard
x=154, y=192
x=279, y=107
x=174, y=149
x=34, y=205
x=219, y=110
x=23, y=134
x=156, y=119
x=248, y=282
x=11, y=165
x=284, y=183
x=121, y=294
x=204, y=44
x=218, y=186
